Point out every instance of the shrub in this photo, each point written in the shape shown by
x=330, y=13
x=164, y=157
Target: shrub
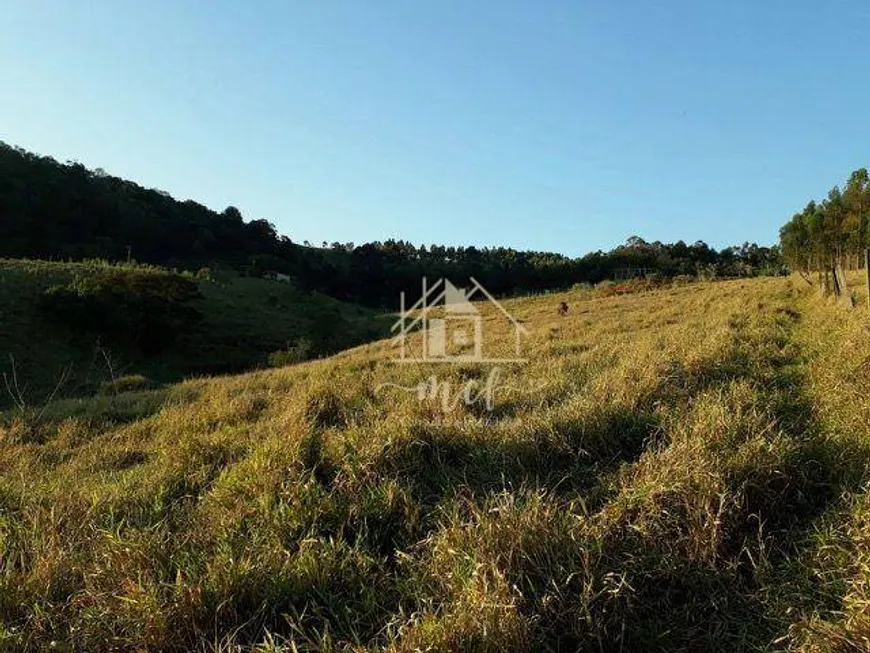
x=129, y=383
x=299, y=352
x=142, y=309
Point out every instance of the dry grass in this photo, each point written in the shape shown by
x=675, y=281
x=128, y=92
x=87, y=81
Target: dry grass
x=681, y=469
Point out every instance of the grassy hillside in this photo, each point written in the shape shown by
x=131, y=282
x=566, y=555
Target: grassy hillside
x=679, y=470
x=243, y=321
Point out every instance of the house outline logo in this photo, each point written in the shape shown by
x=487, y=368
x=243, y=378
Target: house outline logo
x=461, y=319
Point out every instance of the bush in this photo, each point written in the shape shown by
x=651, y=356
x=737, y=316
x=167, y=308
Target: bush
x=129, y=383
x=142, y=309
x=296, y=353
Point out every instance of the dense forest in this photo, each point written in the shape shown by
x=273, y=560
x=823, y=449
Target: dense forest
x=835, y=231
x=52, y=210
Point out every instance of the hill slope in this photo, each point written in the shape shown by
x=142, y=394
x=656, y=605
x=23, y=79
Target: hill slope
x=243, y=321
x=675, y=470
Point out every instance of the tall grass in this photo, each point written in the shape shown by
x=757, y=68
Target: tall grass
x=681, y=469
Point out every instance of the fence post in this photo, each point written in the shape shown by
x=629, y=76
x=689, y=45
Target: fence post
x=867, y=272
x=843, y=292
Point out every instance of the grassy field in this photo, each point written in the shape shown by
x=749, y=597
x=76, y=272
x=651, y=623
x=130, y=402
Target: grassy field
x=244, y=319
x=683, y=469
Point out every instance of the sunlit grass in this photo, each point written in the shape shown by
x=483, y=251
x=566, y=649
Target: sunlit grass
x=677, y=469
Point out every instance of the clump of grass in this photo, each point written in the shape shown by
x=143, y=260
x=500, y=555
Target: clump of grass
x=126, y=383
x=324, y=408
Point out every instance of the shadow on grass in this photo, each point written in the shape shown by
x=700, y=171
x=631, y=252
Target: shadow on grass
x=345, y=578
x=729, y=601
x=89, y=418
x=435, y=461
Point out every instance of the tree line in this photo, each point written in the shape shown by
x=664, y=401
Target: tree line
x=834, y=231
x=59, y=210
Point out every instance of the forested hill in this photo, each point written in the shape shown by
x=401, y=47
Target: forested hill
x=54, y=210
x=51, y=209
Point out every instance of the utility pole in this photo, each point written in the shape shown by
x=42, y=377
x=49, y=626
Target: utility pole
x=129, y=253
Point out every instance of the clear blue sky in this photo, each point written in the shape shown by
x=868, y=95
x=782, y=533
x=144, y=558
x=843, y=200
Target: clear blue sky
x=562, y=126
